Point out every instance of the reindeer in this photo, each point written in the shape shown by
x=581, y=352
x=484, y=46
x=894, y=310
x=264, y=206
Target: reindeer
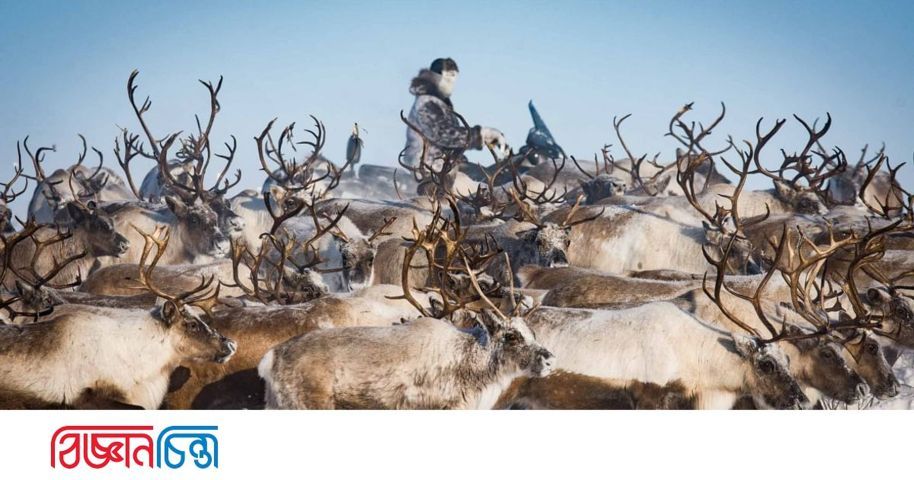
x=124, y=355
x=289, y=180
x=91, y=238
x=457, y=368
x=678, y=227
x=194, y=156
x=614, y=178
x=532, y=241
x=258, y=328
x=122, y=280
x=863, y=184
x=77, y=182
x=658, y=343
x=286, y=268
x=23, y=297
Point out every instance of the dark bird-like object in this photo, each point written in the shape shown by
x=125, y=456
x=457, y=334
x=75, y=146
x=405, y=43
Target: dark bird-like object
x=541, y=145
x=354, y=147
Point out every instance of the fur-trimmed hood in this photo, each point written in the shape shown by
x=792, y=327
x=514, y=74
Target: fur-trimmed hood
x=426, y=83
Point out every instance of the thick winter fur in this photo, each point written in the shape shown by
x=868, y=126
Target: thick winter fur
x=51, y=196
x=92, y=232
x=576, y=287
x=123, y=279
x=818, y=364
x=196, y=235
x=130, y=353
x=426, y=363
x=257, y=329
x=368, y=215
x=660, y=344
x=661, y=233
x=571, y=391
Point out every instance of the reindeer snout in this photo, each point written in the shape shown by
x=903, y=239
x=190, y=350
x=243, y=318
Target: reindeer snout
x=227, y=351
x=559, y=259
x=546, y=363
x=890, y=390
x=862, y=390
x=221, y=246
x=122, y=245
x=236, y=224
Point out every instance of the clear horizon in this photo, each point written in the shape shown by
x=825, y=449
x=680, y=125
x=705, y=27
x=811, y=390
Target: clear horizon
x=66, y=67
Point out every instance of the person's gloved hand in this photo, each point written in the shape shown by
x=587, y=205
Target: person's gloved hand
x=496, y=142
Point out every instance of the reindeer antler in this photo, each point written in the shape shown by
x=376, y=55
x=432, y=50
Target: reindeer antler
x=204, y=296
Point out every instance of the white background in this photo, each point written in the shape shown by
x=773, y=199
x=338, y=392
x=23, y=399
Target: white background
x=474, y=444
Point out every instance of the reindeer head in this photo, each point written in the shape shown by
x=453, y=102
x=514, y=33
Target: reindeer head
x=204, y=213
x=310, y=178
x=548, y=242
x=97, y=229
x=36, y=298
x=357, y=261
x=200, y=229
x=743, y=255
x=798, y=182
x=191, y=336
x=601, y=187
x=825, y=369
x=357, y=256
x=802, y=200
x=194, y=339
x=897, y=314
x=303, y=285
x=871, y=364
x=515, y=345
x=769, y=378
x=230, y=223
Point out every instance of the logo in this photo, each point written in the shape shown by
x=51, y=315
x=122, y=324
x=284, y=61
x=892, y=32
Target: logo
x=99, y=446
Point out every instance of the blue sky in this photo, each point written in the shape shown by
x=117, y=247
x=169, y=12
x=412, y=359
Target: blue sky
x=65, y=66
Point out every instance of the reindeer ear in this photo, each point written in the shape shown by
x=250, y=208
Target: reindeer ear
x=77, y=212
x=877, y=296
x=745, y=345
x=803, y=344
x=527, y=235
x=176, y=206
x=339, y=236
x=169, y=312
x=661, y=185
x=492, y=324
x=785, y=192
x=23, y=289
x=712, y=236
x=276, y=192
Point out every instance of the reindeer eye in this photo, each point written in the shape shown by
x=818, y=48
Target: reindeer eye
x=872, y=348
x=827, y=354
x=766, y=366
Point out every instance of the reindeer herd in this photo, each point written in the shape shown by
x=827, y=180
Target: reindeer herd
x=537, y=281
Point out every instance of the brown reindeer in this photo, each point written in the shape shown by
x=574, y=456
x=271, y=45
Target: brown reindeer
x=82, y=352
